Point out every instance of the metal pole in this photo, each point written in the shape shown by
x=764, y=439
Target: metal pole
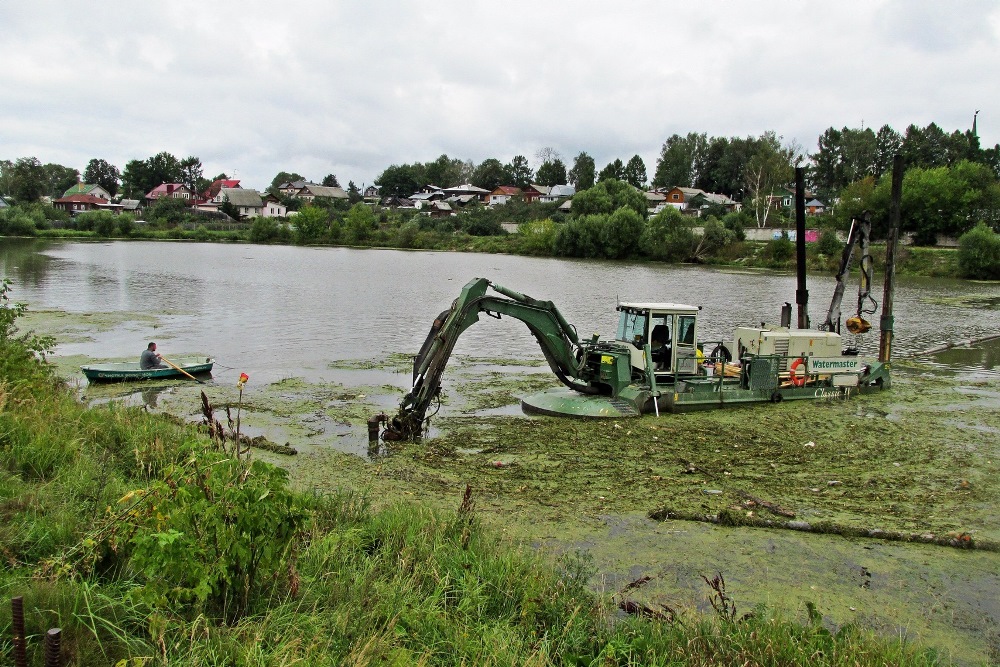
x=895, y=205
x=17, y=617
x=801, y=293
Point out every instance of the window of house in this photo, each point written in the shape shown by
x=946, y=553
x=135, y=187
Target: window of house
x=675, y=197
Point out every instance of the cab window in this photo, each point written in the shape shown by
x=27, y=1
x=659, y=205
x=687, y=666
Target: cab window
x=631, y=328
x=685, y=330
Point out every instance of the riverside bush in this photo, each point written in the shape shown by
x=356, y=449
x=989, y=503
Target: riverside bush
x=979, y=253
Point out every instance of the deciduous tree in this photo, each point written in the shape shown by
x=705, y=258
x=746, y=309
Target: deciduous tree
x=330, y=181
x=679, y=158
x=141, y=176
x=28, y=180
x=6, y=177
x=489, y=175
x=191, y=174
x=311, y=224
x=283, y=177
x=398, y=181
x=583, y=175
x=103, y=173
x=59, y=179
x=607, y=197
x=771, y=167
x=552, y=173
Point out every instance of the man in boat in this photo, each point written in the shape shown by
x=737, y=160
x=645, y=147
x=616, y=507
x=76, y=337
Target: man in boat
x=150, y=358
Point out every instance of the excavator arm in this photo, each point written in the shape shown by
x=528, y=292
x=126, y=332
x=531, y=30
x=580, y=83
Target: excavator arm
x=556, y=337
x=858, y=237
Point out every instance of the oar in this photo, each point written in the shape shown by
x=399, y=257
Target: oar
x=176, y=367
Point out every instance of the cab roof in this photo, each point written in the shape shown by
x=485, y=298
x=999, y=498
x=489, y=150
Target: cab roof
x=681, y=308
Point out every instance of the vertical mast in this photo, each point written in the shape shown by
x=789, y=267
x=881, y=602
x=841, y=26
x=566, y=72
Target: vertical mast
x=886, y=323
x=801, y=293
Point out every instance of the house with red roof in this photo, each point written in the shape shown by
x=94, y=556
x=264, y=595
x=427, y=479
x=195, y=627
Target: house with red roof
x=212, y=193
x=78, y=203
x=172, y=190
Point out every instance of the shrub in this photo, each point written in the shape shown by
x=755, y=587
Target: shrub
x=264, y=230
x=126, y=224
x=21, y=354
x=537, y=238
x=716, y=237
x=737, y=222
x=217, y=536
x=668, y=237
x=779, y=251
x=829, y=243
x=979, y=253
x=620, y=234
x=14, y=222
x=581, y=237
x=482, y=221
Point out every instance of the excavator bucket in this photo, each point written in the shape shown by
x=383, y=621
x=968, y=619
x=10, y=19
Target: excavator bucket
x=858, y=325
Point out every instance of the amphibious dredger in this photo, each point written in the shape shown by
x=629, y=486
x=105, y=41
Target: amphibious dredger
x=656, y=362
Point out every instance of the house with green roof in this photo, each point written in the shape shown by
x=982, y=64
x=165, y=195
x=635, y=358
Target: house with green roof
x=88, y=189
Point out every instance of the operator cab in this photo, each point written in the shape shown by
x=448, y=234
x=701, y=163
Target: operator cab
x=670, y=329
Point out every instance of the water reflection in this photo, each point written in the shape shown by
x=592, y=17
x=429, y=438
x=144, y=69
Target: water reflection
x=126, y=394
x=970, y=363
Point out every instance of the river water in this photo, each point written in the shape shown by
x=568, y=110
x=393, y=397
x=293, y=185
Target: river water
x=281, y=311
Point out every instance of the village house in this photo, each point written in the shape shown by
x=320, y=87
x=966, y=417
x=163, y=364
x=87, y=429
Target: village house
x=291, y=188
x=312, y=191
x=213, y=193
x=75, y=204
x=503, y=194
x=248, y=202
x=172, y=190
x=533, y=192
x=466, y=190
x=273, y=208
x=557, y=192
x=88, y=189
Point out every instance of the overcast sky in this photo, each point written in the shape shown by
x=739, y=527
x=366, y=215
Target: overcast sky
x=253, y=88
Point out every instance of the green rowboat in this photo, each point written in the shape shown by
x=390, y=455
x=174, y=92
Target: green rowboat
x=121, y=372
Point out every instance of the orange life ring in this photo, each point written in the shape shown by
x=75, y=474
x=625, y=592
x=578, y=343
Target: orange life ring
x=797, y=380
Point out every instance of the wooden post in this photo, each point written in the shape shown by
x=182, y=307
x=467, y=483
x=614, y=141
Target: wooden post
x=53, y=650
x=801, y=293
x=895, y=204
x=17, y=621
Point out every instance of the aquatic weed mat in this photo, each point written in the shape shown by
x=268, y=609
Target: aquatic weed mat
x=78, y=327
x=899, y=461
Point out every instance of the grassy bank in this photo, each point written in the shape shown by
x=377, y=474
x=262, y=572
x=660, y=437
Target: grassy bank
x=149, y=541
x=911, y=260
